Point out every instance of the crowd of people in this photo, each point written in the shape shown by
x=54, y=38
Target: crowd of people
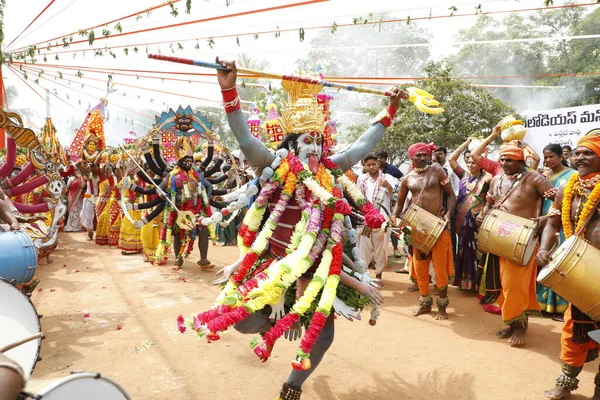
x=309, y=228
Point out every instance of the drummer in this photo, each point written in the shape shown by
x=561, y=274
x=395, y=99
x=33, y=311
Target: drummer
x=517, y=191
x=12, y=378
x=583, y=188
x=427, y=185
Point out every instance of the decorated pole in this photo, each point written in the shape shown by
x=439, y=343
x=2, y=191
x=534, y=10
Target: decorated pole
x=422, y=100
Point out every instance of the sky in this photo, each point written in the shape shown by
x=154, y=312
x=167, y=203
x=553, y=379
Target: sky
x=67, y=16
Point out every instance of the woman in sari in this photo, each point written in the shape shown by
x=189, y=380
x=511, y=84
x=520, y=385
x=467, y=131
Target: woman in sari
x=76, y=188
x=474, y=184
x=558, y=173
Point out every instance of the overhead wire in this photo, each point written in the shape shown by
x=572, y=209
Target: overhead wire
x=186, y=23
x=31, y=23
x=273, y=31
x=48, y=20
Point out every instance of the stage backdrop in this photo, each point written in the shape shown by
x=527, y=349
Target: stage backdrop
x=563, y=125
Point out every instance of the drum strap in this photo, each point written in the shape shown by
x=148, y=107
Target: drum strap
x=588, y=220
x=512, y=190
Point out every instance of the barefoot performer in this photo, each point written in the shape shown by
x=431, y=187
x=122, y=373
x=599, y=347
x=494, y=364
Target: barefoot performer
x=300, y=241
x=576, y=203
x=427, y=185
x=519, y=192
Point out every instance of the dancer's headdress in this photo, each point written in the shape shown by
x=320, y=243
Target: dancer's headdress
x=302, y=113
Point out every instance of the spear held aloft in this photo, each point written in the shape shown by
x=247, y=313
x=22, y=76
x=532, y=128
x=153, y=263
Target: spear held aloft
x=423, y=101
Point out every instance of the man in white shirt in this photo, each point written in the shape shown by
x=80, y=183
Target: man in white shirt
x=377, y=188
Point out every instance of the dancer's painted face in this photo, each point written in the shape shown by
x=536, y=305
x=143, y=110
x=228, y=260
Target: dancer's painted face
x=310, y=147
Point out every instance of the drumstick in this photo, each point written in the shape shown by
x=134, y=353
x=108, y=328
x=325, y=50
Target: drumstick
x=20, y=342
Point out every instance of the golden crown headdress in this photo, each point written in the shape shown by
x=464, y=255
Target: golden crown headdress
x=302, y=113
x=184, y=148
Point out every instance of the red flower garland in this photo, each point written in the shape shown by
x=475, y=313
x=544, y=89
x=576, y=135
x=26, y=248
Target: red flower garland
x=275, y=333
x=226, y=320
x=373, y=218
x=247, y=263
x=312, y=333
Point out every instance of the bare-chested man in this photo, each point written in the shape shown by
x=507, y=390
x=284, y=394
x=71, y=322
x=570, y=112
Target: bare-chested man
x=518, y=192
x=427, y=183
x=576, y=348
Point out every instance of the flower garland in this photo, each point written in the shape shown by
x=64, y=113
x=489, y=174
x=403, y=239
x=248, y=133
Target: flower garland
x=304, y=303
x=318, y=233
x=251, y=222
x=573, y=188
x=373, y=218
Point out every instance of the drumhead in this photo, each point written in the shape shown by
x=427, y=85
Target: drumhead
x=557, y=258
x=85, y=385
x=19, y=320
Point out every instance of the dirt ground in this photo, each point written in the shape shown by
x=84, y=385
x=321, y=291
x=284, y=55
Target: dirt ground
x=402, y=357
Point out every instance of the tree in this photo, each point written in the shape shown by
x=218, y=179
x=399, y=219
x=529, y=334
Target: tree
x=581, y=56
x=470, y=112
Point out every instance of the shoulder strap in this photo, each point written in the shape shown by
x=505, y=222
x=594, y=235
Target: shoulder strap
x=511, y=191
x=416, y=201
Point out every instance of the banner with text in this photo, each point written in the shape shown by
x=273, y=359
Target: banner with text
x=563, y=126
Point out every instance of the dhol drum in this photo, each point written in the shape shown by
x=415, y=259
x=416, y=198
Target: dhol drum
x=508, y=236
x=78, y=386
x=573, y=273
x=18, y=257
x=425, y=227
x=19, y=320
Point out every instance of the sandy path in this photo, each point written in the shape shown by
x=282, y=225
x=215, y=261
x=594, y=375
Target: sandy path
x=401, y=358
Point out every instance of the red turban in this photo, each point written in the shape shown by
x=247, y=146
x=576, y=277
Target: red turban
x=419, y=147
x=513, y=151
x=591, y=141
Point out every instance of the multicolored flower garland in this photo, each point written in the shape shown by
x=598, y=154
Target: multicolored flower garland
x=317, y=235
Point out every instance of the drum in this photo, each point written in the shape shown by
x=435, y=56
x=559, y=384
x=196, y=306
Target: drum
x=425, y=227
x=508, y=236
x=83, y=385
x=19, y=320
x=18, y=257
x=573, y=274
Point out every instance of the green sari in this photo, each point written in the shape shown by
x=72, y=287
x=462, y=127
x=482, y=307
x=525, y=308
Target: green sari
x=549, y=301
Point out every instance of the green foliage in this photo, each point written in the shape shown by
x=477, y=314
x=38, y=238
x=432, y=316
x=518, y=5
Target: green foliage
x=470, y=112
x=91, y=38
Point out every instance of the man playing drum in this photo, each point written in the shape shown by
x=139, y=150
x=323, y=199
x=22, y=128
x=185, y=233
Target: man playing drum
x=518, y=192
x=427, y=184
x=574, y=203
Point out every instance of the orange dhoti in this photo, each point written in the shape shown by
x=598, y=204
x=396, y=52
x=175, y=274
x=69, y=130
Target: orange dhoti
x=442, y=258
x=575, y=354
x=518, y=295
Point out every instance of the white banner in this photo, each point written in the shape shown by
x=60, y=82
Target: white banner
x=563, y=126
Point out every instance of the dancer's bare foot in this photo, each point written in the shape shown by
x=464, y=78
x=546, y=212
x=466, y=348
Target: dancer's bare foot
x=48, y=260
x=423, y=309
x=442, y=315
x=518, y=337
x=413, y=288
x=90, y=235
x=558, y=393
x=505, y=333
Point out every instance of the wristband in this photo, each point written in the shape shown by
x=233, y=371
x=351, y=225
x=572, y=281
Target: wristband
x=385, y=116
x=231, y=100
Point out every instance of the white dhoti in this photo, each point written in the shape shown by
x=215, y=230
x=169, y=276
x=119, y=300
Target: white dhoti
x=88, y=211
x=375, y=248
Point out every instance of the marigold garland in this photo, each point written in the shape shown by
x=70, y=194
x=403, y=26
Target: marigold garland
x=573, y=188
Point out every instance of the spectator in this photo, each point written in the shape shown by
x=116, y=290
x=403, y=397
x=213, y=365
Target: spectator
x=386, y=168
